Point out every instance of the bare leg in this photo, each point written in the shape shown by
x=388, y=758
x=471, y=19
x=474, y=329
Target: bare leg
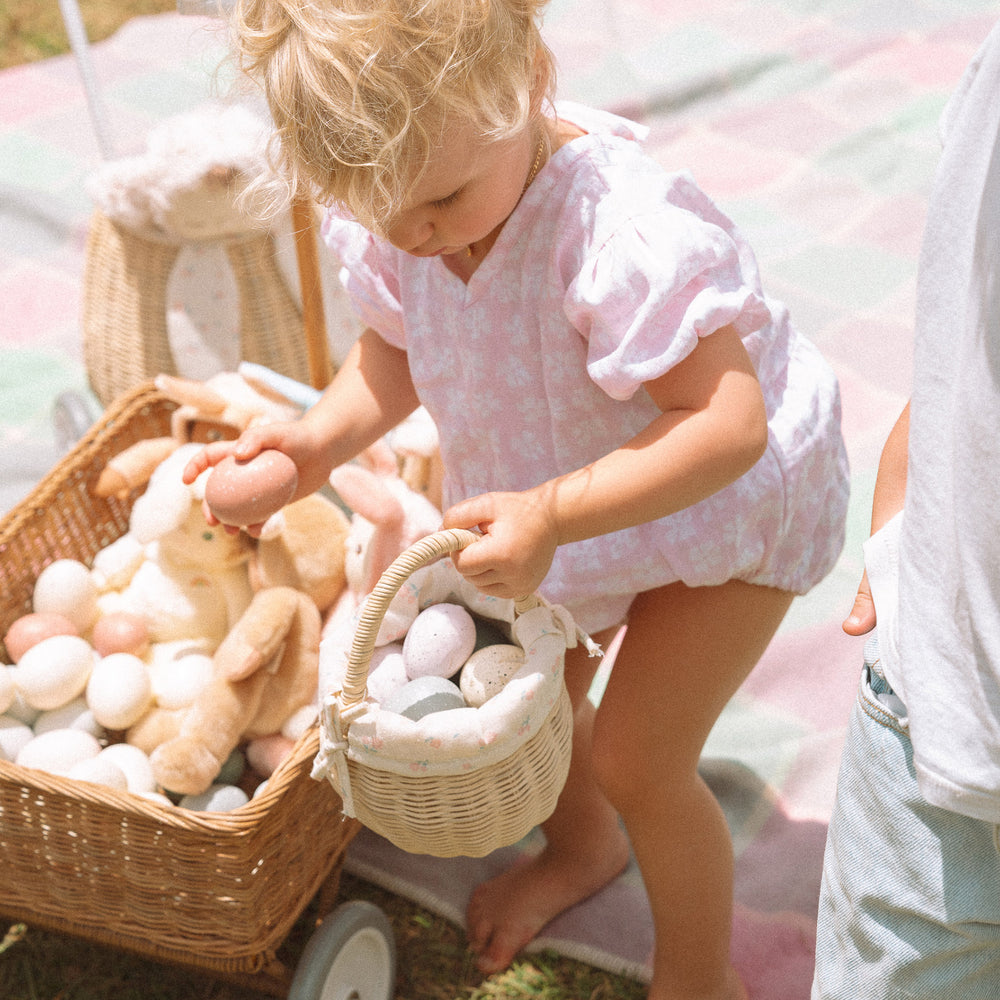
x=684, y=655
x=585, y=846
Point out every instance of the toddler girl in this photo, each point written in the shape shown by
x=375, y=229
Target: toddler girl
x=635, y=428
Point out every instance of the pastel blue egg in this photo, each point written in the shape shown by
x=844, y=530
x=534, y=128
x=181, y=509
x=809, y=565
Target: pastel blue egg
x=424, y=695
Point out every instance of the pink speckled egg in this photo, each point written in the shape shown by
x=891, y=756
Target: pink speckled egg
x=440, y=640
x=31, y=629
x=243, y=493
x=120, y=632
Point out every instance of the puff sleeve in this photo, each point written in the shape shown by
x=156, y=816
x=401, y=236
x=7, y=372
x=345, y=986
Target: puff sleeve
x=645, y=295
x=368, y=274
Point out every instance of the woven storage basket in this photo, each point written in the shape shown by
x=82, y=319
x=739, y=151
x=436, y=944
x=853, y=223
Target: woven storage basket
x=454, y=806
x=220, y=890
x=125, y=337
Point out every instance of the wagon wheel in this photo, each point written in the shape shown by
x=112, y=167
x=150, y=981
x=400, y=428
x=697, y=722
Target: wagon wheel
x=352, y=956
x=71, y=419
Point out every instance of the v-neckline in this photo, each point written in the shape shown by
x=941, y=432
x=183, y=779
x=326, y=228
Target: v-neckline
x=508, y=232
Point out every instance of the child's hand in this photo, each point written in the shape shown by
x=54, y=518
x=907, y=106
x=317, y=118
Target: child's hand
x=207, y=458
x=862, y=617
x=291, y=438
x=889, y=498
x=518, y=543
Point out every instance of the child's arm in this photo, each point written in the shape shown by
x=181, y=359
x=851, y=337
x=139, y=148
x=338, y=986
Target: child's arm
x=370, y=394
x=890, y=492
x=712, y=429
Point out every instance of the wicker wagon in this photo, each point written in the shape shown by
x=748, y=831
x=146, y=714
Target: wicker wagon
x=219, y=891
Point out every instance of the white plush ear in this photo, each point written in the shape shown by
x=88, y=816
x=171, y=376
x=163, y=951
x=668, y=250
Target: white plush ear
x=121, y=190
x=167, y=500
x=159, y=511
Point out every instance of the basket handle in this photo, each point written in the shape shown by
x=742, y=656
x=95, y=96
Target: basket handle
x=421, y=553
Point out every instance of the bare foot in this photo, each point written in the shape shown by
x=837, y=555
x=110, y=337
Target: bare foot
x=506, y=912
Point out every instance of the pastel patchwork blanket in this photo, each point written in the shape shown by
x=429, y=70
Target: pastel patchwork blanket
x=814, y=126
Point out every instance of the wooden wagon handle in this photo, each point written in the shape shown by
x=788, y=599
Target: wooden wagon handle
x=311, y=288
x=421, y=553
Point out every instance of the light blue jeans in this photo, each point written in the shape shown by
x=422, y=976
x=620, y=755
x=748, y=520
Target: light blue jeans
x=910, y=900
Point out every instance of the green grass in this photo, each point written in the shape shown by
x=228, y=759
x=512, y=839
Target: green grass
x=33, y=29
x=433, y=963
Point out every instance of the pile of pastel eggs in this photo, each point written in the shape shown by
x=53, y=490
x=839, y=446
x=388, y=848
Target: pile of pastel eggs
x=73, y=680
x=448, y=659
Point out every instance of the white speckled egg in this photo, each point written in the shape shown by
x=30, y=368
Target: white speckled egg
x=134, y=765
x=99, y=771
x=59, y=750
x=8, y=689
x=424, y=695
x=387, y=672
x=75, y=714
x=179, y=676
x=440, y=640
x=119, y=691
x=66, y=587
x=487, y=671
x=55, y=671
x=218, y=798
x=14, y=734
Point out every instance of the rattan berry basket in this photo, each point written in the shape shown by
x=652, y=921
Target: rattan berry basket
x=412, y=782
x=219, y=891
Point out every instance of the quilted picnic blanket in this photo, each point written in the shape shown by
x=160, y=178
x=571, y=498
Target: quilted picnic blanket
x=813, y=123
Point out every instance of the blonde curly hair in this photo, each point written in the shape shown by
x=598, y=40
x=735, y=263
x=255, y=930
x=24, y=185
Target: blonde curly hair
x=361, y=90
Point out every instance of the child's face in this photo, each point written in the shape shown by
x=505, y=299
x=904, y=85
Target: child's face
x=465, y=195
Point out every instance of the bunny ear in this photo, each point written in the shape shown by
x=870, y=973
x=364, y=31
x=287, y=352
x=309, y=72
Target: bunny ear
x=385, y=544
x=366, y=494
x=368, y=497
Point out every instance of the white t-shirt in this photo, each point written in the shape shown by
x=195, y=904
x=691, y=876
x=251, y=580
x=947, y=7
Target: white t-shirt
x=947, y=670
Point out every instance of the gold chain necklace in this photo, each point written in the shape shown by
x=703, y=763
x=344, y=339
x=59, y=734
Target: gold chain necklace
x=535, y=167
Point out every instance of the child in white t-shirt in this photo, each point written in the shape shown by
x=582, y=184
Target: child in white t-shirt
x=910, y=902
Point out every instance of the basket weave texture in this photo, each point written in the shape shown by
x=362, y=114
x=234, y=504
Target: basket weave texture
x=125, y=334
x=444, y=810
x=220, y=890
